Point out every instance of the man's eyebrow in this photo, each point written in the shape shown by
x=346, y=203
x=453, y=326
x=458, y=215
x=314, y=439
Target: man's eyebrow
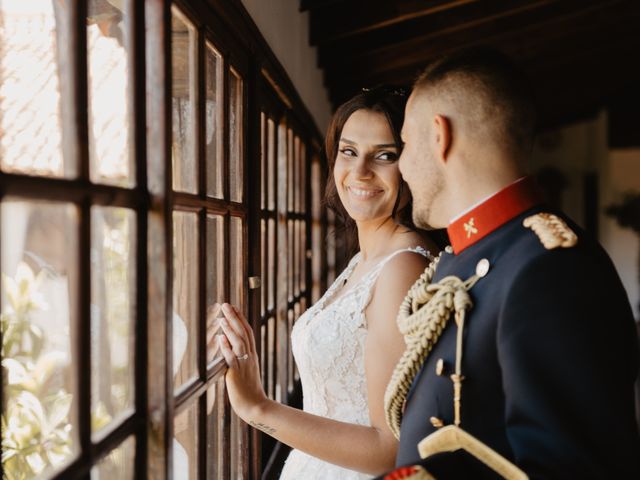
x=382, y=145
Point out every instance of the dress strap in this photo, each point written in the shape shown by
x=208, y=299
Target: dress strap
x=370, y=279
x=378, y=268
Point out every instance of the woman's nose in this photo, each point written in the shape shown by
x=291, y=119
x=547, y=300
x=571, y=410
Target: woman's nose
x=362, y=168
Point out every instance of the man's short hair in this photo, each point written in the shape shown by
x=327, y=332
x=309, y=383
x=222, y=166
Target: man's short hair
x=487, y=86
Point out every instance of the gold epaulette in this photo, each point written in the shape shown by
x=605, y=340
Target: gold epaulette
x=552, y=230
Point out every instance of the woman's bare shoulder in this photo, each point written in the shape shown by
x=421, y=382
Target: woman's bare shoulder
x=412, y=240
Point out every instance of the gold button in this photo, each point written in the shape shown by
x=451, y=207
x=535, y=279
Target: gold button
x=436, y=422
x=482, y=268
x=439, y=367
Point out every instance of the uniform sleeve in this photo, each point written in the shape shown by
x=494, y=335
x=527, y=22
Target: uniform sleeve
x=567, y=348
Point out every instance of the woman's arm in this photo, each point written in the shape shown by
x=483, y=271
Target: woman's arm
x=367, y=449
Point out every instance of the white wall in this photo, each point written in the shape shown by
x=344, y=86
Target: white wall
x=582, y=148
x=286, y=30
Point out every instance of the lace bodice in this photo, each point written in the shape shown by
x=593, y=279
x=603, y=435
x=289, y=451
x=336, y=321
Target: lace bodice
x=328, y=343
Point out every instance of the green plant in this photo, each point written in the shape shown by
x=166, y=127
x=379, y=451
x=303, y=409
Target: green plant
x=36, y=432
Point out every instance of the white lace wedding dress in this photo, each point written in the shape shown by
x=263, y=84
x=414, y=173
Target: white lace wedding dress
x=328, y=343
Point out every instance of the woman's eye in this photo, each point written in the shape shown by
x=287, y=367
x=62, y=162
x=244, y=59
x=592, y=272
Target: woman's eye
x=388, y=156
x=348, y=152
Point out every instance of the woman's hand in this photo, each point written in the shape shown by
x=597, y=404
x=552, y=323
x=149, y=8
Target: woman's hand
x=238, y=347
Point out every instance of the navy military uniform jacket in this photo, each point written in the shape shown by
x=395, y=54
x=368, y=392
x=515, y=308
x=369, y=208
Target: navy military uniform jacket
x=550, y=356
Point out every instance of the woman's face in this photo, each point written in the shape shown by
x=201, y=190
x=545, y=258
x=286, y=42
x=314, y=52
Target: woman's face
x=366, y=168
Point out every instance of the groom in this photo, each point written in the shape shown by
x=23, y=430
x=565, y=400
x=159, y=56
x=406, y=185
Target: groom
x=550, y=349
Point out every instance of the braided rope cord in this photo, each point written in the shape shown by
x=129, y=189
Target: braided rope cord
x=552, y=230
x=423, y=315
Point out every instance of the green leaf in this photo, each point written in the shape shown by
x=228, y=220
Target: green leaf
x=36, y=462
x=59, y=410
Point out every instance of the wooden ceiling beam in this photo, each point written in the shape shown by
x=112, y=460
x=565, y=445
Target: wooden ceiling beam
x=465, y=16
x=534, y=45
x=572, y=85
x=339, y=24
x=495, y=31
x=310, y=5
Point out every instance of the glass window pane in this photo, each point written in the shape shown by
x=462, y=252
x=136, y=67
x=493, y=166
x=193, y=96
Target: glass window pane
x=264, y=358
x=271, y=167
x=303, y=255
x=117, y=464
x=290, y=257
x=290, y=362
x=185, y=296
x=282, y=168
x=290, y=170
x=113, y=296
x=185, y=444
x=215, y=276
x=235, y=262
x=239, y=441
x=183, y=45
x=39, y=291
x=272, y=264
x=317, y=243
x=108, y=46
x=296, y=253
x=331, y=247
x=296, y=176
x=216, y=449
x=235, y=136
x=303, y=177
x=263, y=266
x=35, y=86
x=213, y=118
x=271, y=356
x=263, y=161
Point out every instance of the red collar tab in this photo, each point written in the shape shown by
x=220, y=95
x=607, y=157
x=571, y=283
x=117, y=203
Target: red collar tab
x=491, y=214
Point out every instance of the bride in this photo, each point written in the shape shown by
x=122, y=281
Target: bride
x=347, y=344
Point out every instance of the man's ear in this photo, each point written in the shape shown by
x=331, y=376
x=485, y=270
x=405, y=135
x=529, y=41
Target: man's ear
x=442, y=131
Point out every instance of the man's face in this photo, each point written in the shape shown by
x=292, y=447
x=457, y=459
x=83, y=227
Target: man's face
x=418, y=163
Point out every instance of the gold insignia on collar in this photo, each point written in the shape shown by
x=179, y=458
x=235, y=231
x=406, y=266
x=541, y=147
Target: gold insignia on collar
x=552, y=230
x=470, y=228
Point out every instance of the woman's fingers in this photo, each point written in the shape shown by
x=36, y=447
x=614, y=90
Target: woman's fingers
x=235, y=339
x=240, y=325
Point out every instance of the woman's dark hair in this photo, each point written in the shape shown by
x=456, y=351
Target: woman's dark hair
x=389, y=101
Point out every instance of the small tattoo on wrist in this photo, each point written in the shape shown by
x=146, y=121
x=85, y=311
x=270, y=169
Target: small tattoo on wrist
x=263, y=427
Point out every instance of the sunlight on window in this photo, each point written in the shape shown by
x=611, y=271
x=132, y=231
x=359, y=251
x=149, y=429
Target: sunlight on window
x=185, y=444
x=118, y=464
x=33, y=82
x=235, y=135
x=185, y=297
x=112, y=314
x=39, y=278
x=108, y=46
x=183, y=40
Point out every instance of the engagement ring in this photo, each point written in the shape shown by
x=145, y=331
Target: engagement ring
x=242, y=357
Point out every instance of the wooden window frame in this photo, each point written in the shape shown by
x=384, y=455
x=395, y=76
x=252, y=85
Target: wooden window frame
x=230, y=29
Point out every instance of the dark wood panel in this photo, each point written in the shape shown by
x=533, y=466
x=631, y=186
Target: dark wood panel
x=466, y=15
x=552, y=51
x=343, y=22
x=502, y=31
